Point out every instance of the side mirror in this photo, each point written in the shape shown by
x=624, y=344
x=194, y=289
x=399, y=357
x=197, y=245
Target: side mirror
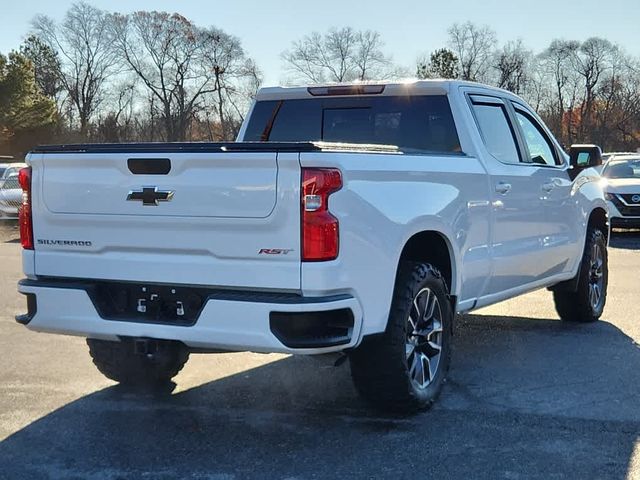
x=584, y=156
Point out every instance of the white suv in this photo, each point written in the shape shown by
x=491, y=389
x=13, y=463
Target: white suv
x=622, y=189
x=10, y=191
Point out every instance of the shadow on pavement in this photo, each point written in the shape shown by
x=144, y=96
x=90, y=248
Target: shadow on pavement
x=527, y=399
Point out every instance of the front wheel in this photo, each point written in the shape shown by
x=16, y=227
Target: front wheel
x=404, y=368
x=586, y=304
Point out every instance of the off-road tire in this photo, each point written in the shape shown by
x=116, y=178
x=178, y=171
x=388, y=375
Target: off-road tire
x=577, y=306
x=118, y=361
x=379, y=366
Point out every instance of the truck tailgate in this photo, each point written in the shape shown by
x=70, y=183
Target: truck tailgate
x=212, y=218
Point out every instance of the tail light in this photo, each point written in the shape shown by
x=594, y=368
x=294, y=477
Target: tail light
x=24, y=215
x=320, y=230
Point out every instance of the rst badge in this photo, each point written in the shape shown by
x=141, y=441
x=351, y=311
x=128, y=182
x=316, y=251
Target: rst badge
x=275, y=251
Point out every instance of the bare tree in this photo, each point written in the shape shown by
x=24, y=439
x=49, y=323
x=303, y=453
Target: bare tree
x=241, y=96
x=115, y=125
x=512, y=63
x=537, y=89
x=165, y=51
x=235, y=78
x=474, y=46
x=558, y=62
x=626, y=121
x=340, y=55
x=595, y=57
x=83, y=43
x=369, y=59
x=616, y=110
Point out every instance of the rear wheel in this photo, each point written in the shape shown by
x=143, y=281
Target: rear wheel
x=587, y=303
x=404, y=368
x=123, y=362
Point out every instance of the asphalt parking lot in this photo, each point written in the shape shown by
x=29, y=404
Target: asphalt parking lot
x=528, y=397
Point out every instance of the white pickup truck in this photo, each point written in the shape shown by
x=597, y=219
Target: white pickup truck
x=347, y=218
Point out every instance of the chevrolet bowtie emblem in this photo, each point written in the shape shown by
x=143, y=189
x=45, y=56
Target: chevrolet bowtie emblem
x=150, y=195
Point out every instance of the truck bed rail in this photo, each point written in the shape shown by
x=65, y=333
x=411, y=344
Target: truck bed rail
x=210, y=147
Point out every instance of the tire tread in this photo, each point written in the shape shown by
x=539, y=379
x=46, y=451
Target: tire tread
x=378, y=366
x=575, y=306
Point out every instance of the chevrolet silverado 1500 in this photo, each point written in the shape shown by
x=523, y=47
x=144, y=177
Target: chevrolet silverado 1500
x=347, y=218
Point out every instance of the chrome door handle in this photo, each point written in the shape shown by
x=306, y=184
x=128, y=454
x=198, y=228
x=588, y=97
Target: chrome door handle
x=503, y=188
x=547, y=187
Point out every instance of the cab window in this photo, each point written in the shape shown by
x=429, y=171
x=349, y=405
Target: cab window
x=540, y=148
x=496, y=131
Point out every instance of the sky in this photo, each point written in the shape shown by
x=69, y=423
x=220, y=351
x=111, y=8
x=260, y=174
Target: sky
x=408, y=28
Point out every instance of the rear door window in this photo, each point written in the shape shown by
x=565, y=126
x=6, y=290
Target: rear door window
x=422, y=123
x=496, y=131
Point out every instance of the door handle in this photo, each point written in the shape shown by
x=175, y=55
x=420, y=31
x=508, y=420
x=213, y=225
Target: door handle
x=547, y=187
x=503, y=188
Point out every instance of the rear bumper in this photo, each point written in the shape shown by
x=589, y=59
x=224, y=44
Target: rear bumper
x=234, y=321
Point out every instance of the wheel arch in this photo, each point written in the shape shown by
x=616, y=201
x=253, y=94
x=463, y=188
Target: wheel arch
x=599, y=218
x=435, y=248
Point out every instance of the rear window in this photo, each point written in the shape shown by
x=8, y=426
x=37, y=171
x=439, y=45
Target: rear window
x=421, y=123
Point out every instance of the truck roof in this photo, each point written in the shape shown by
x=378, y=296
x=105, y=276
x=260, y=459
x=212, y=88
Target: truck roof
x=404, y=87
